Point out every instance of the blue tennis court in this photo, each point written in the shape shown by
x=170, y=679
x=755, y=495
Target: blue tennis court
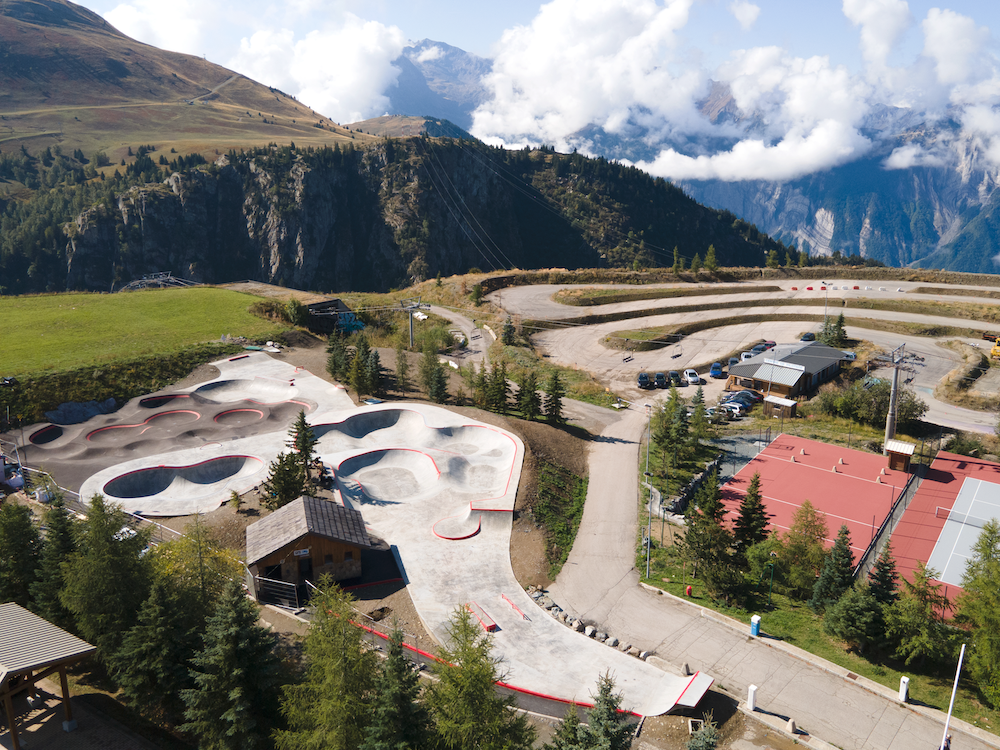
x=977, y=503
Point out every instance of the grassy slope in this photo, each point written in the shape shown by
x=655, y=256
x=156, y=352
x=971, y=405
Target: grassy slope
x=62, y=331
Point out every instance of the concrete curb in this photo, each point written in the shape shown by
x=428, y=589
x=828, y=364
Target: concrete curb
x=863, y=682
x=781, y=727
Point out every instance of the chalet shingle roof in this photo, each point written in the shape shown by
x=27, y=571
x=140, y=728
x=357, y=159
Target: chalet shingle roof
x=813, y=357
x=307, y=515
x=27, y=642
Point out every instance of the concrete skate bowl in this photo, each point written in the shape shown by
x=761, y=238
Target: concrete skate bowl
x=373, y=428
x=193, y=482
x=163, y=421
x=471, y=523
x=48, y=434
x=155, y=402
x=256, y=390
x=473, y=440
x=485, y=479
x=239, y=417
x=386, y=477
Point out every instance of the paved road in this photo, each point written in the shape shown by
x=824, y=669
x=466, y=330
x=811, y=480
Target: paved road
x=581, y=346
x=477, y=339
x=600, y=583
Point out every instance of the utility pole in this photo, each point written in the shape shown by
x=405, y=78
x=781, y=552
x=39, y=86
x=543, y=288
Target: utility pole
x=649, y=509
x=412, y=305
x=897, y=360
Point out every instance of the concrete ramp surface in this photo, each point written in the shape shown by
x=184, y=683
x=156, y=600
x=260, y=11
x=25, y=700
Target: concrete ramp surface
x=184, y=479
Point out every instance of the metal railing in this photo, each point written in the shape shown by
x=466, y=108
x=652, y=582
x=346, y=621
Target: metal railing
x=899, y=506
x=278, y=593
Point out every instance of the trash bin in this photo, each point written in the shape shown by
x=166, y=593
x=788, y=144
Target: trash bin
x=755, y=625
x=687, y=591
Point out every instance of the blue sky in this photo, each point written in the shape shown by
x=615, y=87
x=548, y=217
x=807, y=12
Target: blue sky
x=813, y=74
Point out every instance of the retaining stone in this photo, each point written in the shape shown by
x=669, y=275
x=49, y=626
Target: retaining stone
x=589, y=631
x=601, y=637
x=612, y=641
x=624, y=647
x=644, y=655
x=577, y=625
x=633, y=651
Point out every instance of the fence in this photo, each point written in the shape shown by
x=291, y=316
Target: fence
x=868, y=557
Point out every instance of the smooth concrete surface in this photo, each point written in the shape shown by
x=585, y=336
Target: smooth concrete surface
x=437, y=486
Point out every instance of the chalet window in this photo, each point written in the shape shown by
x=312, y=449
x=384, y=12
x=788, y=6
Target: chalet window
x=349, y=555
x=328, y=559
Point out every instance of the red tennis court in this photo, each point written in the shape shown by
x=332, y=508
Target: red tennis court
x=850, y=487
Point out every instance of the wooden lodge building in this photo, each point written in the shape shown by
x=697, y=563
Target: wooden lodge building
x=305, y=539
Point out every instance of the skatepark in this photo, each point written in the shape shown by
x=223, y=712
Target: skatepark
x=435, y=485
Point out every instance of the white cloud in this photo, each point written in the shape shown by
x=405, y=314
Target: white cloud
x=828, y=144
x=340, y=71
x=178, y=26
x=955, y=44
x=882, y=22
x=745, y=13
x=584, y=62
x=914, y=155
x=431, y=53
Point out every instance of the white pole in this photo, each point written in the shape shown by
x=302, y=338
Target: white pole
x=954, y=689
x=649, y=509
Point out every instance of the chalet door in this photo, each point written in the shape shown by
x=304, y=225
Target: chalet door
x=305, y=569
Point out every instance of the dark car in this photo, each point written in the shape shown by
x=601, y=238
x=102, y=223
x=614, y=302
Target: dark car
x=734, y=361
x=716, y=370
x=809, y=336
x=643, y=380
x=675, y=378
x=753, y=396
x=760, y=348
x=740, y=398
x=660, y=380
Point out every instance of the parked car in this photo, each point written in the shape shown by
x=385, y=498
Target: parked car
x=808, y=336
x=675, y=378
x=759, y=349
x=692, y=377
x=746, y=403
x=744, y=356
x=850, y=356
x=643, y=380
x=769, y=345
x=734, y=361
x=716, y=370
x=735, y=408
x=718, y=414
x=660, y=380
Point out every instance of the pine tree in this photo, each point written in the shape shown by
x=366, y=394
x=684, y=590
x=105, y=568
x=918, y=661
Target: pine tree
x=708, y=543
x=508, y=333
x=883, y=579
x=705, y=737
x=837, y=575
x=467, y=711
x=606, y=727
x=402, y=368
x=399, y=720
x=699, y=426
x=528, y=402
x=772, y=259
x=236, y=675
x=570, y=734
x=20, y=553
x=285, y=481
x=696, y=264
x=336, y=361
x=979, y=605
x=678, y=262
x=856, y=618
x=751, y=525
x=152, y=666
x=374, y=373
x=302, y=440
x=432, y=376
x=108, y=578
x=332, y=707
x=554, y=392
x=804, y=256
x=58, y=547
x=915, y=623
x=711, y=264
x=357, y=373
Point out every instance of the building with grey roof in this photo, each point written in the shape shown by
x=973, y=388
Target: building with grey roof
x=305, y=539
x=787, y=370
x=32, y=649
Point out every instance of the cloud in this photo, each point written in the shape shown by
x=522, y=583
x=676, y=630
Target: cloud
x=882, y=22
x=745, y=13
x=826, y=145
x=914, y=155
x=589, y=62
x=346, y=86
x=178, y=26
x=431, y=53
x=955, y=44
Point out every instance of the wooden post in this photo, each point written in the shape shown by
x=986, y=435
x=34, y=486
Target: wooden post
x=9, y=706
x=67, y=708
